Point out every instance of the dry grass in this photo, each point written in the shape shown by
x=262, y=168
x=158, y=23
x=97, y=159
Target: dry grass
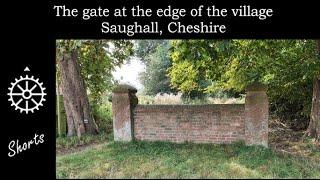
x=177, y=99
x=285, y=140
x=168, y=98
x=226, y=100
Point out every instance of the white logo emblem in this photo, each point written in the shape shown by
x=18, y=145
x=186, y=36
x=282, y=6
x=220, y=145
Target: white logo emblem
x=26, y=93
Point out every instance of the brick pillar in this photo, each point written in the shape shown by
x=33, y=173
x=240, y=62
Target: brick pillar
x=123, y=102
x=256, y=115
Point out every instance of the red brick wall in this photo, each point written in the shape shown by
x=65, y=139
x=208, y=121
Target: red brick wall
x=196, y=123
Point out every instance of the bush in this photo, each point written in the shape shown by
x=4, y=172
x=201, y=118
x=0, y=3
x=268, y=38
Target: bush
x=103, y=117
x=290, y=113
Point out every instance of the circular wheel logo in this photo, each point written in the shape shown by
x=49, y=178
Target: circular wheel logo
x=26, y=94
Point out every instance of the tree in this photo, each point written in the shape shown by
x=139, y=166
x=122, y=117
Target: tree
x=314, y=125
x=82, y=66
x=197, y=64
x=144, y=48
x=155, y=79
x=286, y=66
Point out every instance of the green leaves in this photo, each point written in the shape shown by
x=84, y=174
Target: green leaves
x=194, y=61
x=97, y=59
x=286, y=66
x=184, y=76
x=155, y=79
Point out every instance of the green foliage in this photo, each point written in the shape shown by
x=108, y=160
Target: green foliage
x=187, y=160
x=286, y=66
x=143, y=48
x=146, y=99
x=103, y=117
x=197, y=63
x=155, y=79
x=97, y=59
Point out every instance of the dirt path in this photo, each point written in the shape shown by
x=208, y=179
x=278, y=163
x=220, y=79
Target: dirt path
x=287, y=141
x=62, y=152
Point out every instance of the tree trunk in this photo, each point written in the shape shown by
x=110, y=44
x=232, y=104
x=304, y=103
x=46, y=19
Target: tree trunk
x=79, y=115
x=314, y=124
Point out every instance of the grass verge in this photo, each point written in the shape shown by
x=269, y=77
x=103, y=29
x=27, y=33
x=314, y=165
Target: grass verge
x=168, y=160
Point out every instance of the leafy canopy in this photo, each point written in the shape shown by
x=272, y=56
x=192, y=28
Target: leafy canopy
x=286, y=66
x=155, y=55
x=97, y=59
